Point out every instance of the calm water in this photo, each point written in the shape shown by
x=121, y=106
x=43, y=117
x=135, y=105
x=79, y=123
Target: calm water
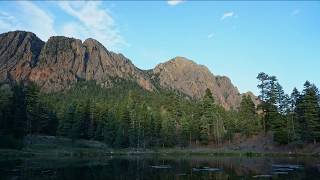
x=138, y=167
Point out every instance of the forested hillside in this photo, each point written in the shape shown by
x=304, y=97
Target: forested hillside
x=127, y=115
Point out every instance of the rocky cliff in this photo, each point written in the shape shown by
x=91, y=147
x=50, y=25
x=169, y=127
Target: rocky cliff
x=61, y=61
x=19, y=52
x=192, y=79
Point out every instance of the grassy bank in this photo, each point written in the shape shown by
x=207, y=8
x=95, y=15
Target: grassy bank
x=58, y=151
x=49, y=146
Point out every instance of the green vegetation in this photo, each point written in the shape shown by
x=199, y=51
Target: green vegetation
x=126, y=116
x=294, y=119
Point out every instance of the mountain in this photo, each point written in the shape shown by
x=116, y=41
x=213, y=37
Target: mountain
x=63, y=61
x=192, y=79
x=19, y=52
x=60, y=62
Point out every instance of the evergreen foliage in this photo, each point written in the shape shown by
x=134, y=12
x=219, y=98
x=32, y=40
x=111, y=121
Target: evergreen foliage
x=126, y=116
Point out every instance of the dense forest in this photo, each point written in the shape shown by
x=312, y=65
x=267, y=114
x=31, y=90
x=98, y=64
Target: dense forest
x=128, y=116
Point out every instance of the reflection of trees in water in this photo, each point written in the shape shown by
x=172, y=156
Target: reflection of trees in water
x=248, y=167
x=140, y=167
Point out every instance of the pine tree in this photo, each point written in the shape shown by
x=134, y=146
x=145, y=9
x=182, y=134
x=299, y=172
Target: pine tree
x=6, y=103
x=134, y=124
x=308, y=113
x=110, y=128
x=32, y=108
x=280, y=123
x=122, y=134
x=195, y=116
x=83, y=120
x=218, y=124
x=263, y=86
x=168, y=130
x=207, y=116
x=185, y=131
x=92, y=127
x=52, y=124
x=19, y=113
x=269, y=97
x=211, y=126
x=293, y=126
x=146, y=127
x=247, y=116
x=68, y=127
x=283, y=100
x=232, y=123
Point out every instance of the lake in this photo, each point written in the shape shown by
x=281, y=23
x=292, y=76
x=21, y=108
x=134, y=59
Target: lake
x=168, y=167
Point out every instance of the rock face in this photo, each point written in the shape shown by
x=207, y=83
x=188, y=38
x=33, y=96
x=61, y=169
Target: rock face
x=192, y=79
x=254, y=98
x=61, y=62
x=19, y=53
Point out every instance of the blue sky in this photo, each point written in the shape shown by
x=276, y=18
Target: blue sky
x=236, y=39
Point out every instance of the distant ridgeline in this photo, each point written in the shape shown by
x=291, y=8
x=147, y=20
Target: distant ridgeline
x=83, y=91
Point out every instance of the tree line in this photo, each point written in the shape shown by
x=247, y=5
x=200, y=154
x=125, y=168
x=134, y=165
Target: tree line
x=127, y=116
x=293, y=118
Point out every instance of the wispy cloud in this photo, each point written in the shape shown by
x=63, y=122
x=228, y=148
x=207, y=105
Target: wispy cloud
x=30, y=18
x=6, y=16
x=38, y=20
x=210, y=36
x=88, y=20
x=295, y=12
x=72, y=29
x=92, y=21
x=227, y=15
x=174, y=2
x=6, y=22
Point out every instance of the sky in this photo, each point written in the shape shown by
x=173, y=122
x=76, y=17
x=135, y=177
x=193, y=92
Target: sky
x=236, y=39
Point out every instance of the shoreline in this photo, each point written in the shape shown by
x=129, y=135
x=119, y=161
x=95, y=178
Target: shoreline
x=51, y=146
x=167, y=152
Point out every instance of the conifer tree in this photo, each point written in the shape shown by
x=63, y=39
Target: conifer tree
x=308, y=113
x=168, y=130
x=32, y=108
x=68, y=127
x=247, y=116
x=19, y=114
x=207, y=116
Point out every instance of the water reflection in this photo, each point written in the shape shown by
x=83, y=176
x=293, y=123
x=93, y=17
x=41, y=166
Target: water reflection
x=140, y=167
